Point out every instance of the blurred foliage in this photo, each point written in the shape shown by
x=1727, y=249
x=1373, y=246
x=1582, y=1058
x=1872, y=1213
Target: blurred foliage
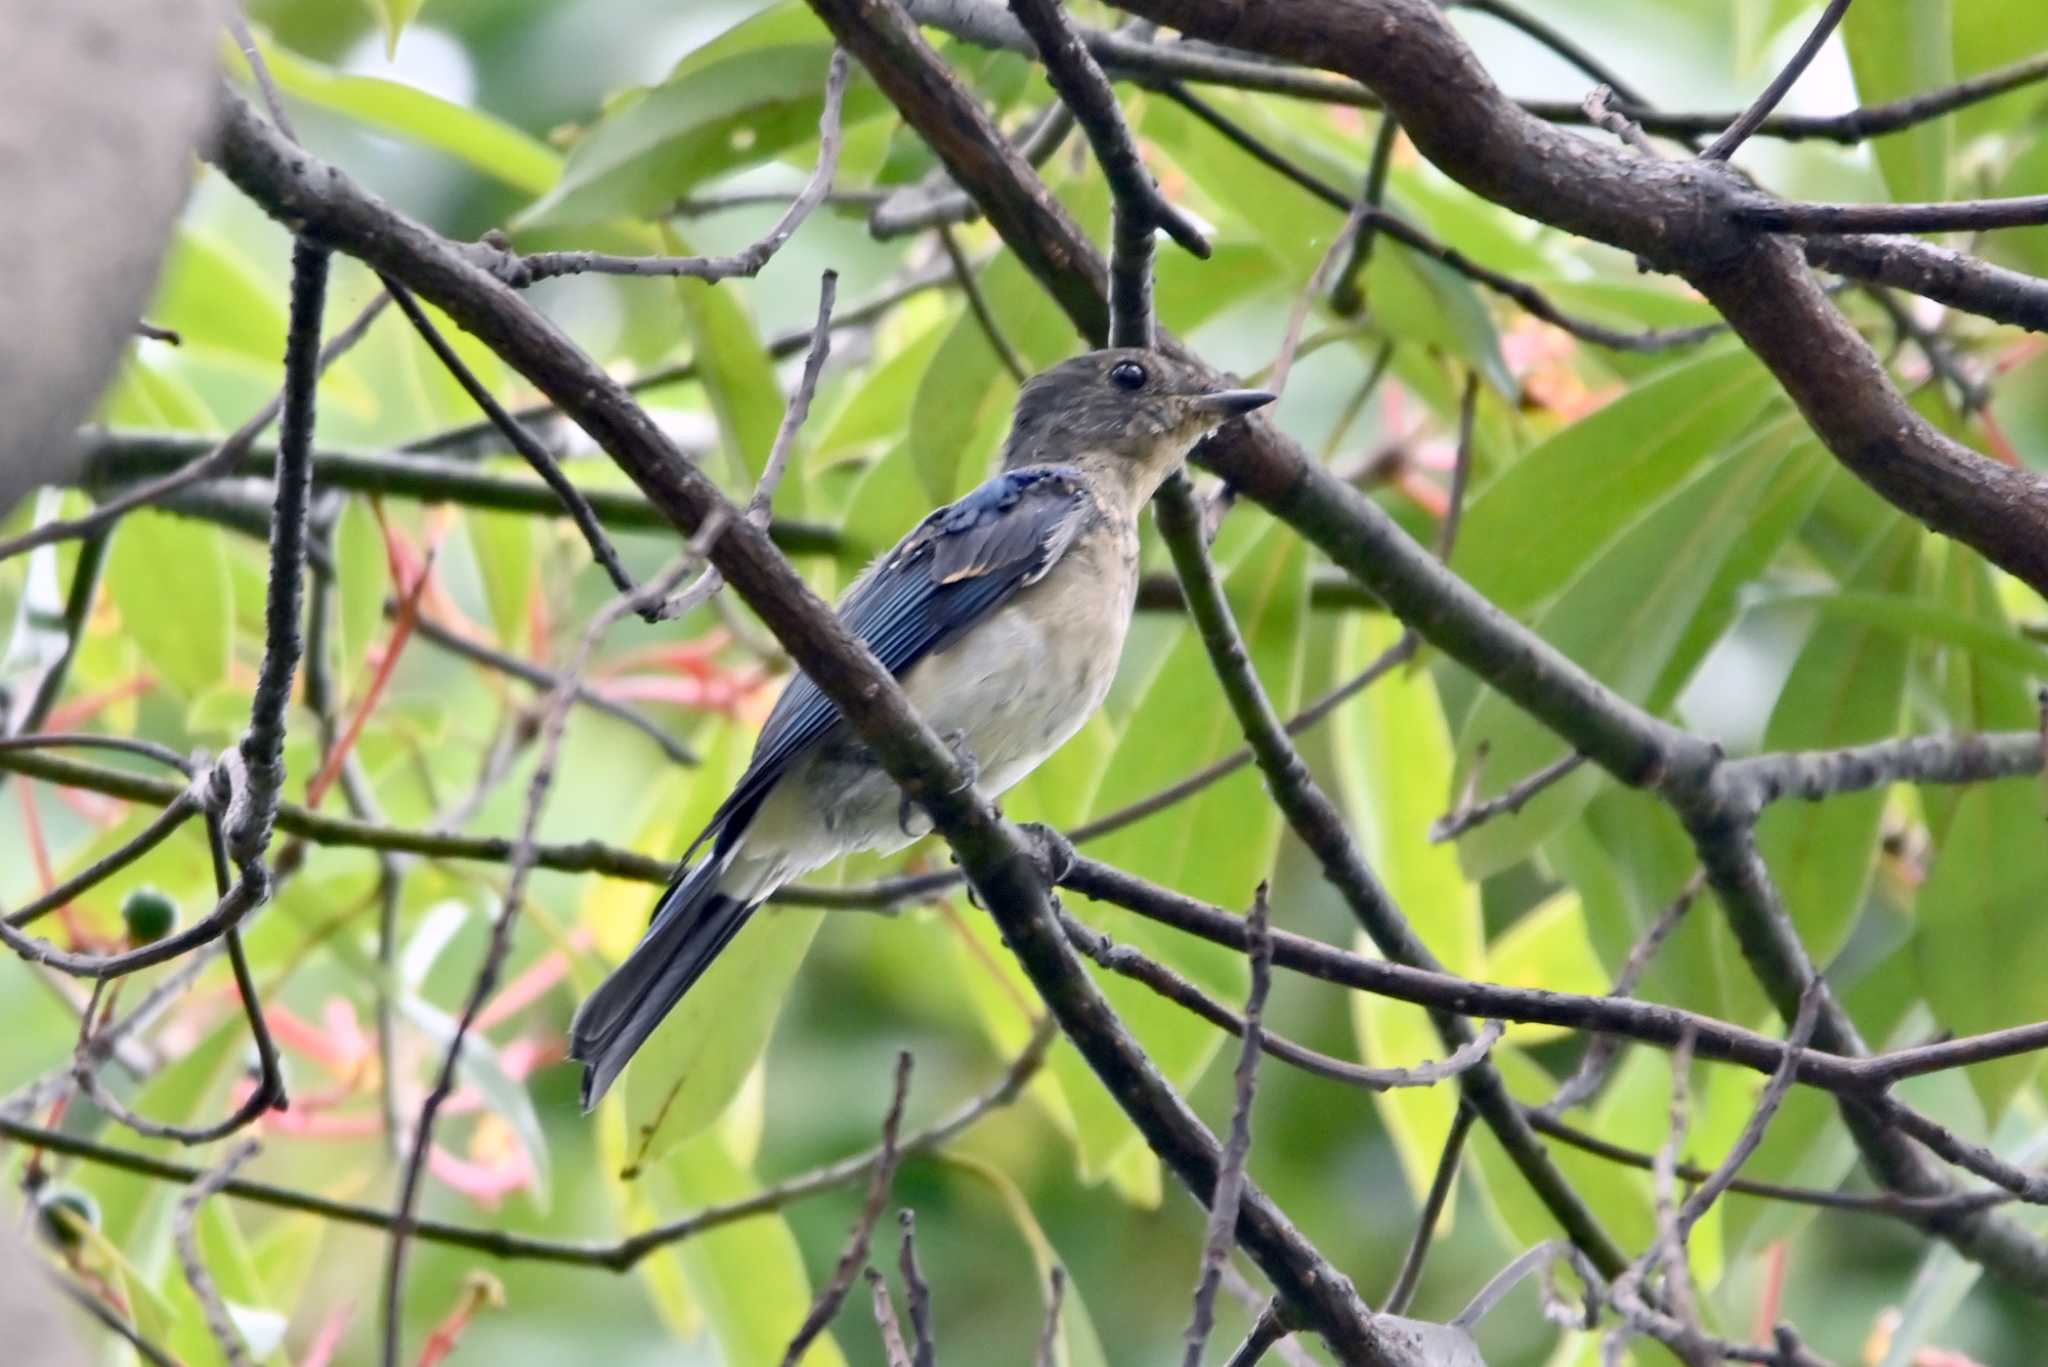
x=1664, y=518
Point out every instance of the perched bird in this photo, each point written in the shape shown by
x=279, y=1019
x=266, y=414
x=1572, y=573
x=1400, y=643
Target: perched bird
x=1003, y=615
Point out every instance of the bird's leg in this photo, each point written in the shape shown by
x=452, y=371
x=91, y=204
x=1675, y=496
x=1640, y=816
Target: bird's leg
x=956, y=741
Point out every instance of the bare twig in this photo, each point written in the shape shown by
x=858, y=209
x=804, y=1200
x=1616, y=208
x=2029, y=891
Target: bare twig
x=521, y=440
x=525, y=270
x=215, y=1311
x=616, y=1255
x=541, y=678
x=894, y=1351
x=1597, y=1063
x=1141, y=209
x=761, y=507
x=1318, y=285
x=1709, y=1191
x=917, y=1293
x=1230, y=1177
x=1451, y=825
x=937, y=202
x=1960, y=216
x=1403, y=1293
x=833, y=1294
x=1752, y=118
x=1178, y=989
x=1347, y=297
x=1049, y=1335
x=977, y=304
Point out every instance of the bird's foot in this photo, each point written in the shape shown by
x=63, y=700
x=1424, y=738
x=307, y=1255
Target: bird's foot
x=956, y=741
x=1050, y=850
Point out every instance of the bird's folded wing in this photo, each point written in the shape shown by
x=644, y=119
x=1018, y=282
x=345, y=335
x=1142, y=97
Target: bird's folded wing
x=953, y=570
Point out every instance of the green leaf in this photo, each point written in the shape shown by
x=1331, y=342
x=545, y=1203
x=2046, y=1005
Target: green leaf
x=481, y=1068
x=1982, y=944
x=1976, y=693
x=962, y=410
x=1757, y=23
x=169, y=578
x=735, y=369
x=1547, y=947
x=362, y=580
x=1902, y=49
x=1545, y=518
x=1077, y=1345
x=1623, y=619
x=394, y=15
x=503, y=544
x=1216, y=846
x=748, y=1276
x=692, y=1066
x=1991, y=36
x=1627, y=857
x=216, y=297
x=491, y=146
x=151, y=395
x=1846, y=688
x=700, y=124
x=1908, y=616
x=1418, y=299
x=1394, y=759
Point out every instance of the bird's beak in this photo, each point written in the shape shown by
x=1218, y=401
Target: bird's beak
x=1232, y=403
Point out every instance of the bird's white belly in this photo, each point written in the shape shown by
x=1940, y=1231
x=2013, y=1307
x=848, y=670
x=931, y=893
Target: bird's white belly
x=1012, y=691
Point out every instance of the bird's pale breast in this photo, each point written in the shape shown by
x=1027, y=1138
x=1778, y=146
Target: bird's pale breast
x=1014, y=689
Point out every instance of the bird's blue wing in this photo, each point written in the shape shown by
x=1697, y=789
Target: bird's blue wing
x=954, y=569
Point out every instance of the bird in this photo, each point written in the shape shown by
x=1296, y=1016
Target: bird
x=1003, y=617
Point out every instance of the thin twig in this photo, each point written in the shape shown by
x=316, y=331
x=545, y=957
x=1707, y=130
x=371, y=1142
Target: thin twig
x=1375, y=219
x=1774, y=1093
x=616, y=1255
x=977, y=304
x=894, y=1351
x=1141, y=209
x=761, y=507
x=1453, y=824
x=1597, y=1063
x=1347, y=298
x=1223, y=1200
x=1318, y=285
x=524, y=442
x=1403, y=1293
x=1049, y=1335
x=748, y=262
x=215, y=1311
x=1958, y=216
x=78, y=605
x=1918, y=1210
x=833, y=1294
x=1175, y=988
x=937, y=202
x=917, y=1293
x=541, y=678
x=115, y=1322
x=1752, y=118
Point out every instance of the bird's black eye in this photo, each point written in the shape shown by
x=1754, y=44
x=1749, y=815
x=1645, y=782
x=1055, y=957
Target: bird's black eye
x=1127, y=375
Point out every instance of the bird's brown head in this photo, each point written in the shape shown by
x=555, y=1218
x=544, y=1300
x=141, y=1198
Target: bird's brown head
x=1127, y=415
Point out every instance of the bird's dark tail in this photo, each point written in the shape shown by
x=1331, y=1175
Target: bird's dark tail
x=692, y=923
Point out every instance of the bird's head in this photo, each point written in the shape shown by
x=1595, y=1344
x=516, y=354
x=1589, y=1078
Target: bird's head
x=1126, y=415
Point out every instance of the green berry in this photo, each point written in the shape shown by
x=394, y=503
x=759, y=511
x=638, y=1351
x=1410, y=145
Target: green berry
x=149, y=916
x=64, y=1214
